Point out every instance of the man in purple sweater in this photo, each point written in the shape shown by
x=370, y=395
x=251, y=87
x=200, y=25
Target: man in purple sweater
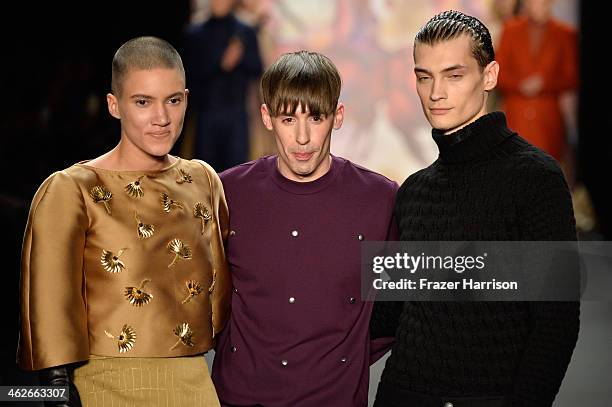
x=298, y=333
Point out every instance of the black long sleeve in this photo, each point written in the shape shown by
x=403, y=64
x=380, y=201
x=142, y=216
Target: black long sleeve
x=554, y=325
x=385, y=318
x=488, y=184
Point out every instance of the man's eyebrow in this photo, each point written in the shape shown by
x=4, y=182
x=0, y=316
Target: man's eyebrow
x=287, y=114
x=141, y=96
x=445, y=70
x=454, y=68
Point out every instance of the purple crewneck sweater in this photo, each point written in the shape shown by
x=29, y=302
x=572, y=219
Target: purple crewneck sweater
x=299, y=333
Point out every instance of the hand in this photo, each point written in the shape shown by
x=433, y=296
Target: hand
x=60, y=376
x=532, y=85
x=232, y=54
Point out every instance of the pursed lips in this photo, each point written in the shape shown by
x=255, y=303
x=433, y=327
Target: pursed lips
x=159, y=133
x=439, y=110
x=303, y=156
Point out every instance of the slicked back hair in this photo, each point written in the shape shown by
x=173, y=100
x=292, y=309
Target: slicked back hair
x=143, y=53
x=303, y=78
x=452, y=24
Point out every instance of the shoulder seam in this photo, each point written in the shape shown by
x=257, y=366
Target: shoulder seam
x=65, y=171
x=364, y=169
x=212, y=197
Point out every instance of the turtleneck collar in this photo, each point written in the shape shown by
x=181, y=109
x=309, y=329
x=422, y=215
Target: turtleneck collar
x=478, y=141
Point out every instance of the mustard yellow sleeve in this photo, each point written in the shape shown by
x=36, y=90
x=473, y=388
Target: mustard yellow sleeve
x=221, y=296
x=53, y=312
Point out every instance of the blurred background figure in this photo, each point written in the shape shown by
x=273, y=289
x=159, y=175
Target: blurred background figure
x=538, y=85
x=538, y=56
x=222, y=58
x=500, y=12
x=256, y=14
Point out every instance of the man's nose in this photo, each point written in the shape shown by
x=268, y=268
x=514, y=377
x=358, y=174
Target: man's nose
x=303, y=133
x=438, y=90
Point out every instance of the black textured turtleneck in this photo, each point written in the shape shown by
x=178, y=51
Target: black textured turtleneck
x=487, y=184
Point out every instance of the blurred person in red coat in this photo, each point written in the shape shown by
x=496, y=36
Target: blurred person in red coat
x=539, y=56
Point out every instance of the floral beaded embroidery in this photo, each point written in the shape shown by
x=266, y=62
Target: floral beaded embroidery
x=180, y=250
x=185, y=335
x=202, y=212
x=143, y=230
x=136, y=296
x=184, y=177
x=134, y=189
x=126, y=338
x=101, y=194
x=194, y=288
x=168, y=204
x=111, y=262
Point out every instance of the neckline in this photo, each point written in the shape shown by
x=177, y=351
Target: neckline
x=475, y=142
x=83, y=164
x=303, y=188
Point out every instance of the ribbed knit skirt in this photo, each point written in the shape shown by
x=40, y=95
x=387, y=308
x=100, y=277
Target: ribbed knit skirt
x=154, y=382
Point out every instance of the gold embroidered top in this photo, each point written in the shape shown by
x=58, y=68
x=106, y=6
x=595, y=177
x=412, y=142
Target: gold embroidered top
x=124, y=263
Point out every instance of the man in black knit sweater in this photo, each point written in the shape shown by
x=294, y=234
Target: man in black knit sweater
x=487, y=184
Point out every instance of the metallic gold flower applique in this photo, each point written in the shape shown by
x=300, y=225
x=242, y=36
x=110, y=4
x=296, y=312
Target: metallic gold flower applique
x=185, y=335
x=168, y=203
x=126, y=338
x=180, y=250
x=101, y=194
x=134, y=189
x=144, y=230
x=184, y=177
x=202, y=212
x=111, y=262
x=136, y=296
x=194, y=289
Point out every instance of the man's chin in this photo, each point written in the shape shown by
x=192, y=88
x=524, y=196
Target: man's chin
x=444, y=128
x=440, y=125
x=302, y=171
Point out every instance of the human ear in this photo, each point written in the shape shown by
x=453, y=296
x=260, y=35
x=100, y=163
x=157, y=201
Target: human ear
x=113, y=105
x=265, y=116
x=491, y=72
x=339, y=116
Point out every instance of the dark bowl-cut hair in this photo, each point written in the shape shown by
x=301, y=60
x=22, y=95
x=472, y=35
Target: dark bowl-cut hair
x=143, y=53
x=306, y=79
x=451, y=24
